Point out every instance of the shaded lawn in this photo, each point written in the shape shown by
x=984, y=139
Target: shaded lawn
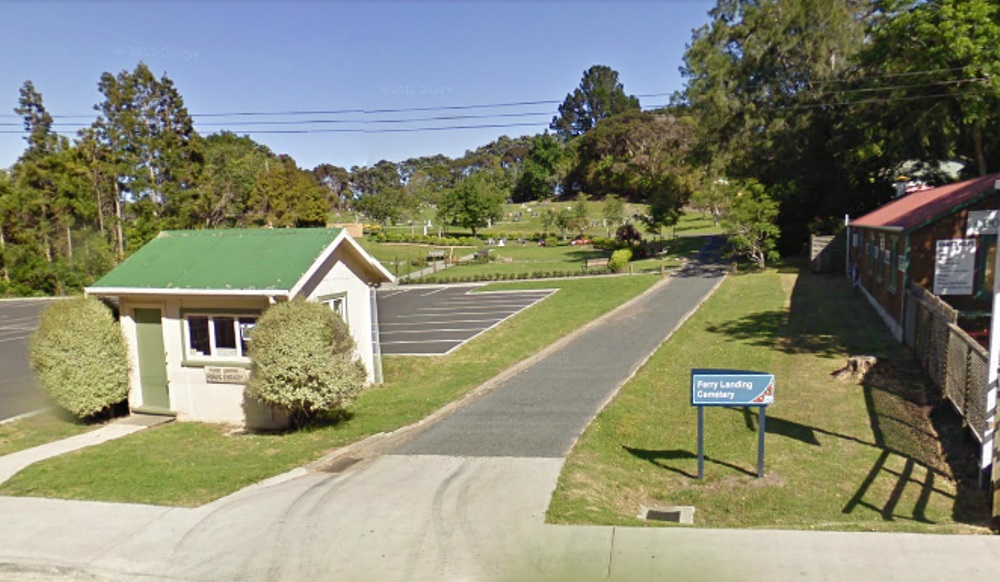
x=879, y=454
x=188, y=464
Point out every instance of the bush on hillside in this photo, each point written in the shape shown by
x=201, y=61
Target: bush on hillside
x=79, y=357
x=304, y=361
x=619, y=259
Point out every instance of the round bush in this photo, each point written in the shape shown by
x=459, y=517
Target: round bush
x=303, y=356
x=79, y=357
x=619, y=259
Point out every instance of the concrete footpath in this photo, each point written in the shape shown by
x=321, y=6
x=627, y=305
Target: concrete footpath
x=463, y=500
x=14, y=462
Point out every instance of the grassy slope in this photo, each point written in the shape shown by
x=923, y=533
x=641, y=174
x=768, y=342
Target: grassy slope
x=840, y=455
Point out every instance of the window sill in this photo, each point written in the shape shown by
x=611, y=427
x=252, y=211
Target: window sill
x=217, y=363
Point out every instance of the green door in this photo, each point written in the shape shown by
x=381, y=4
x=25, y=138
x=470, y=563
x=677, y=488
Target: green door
x=152, y=359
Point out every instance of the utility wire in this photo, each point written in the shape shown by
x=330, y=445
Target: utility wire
x=361, y=111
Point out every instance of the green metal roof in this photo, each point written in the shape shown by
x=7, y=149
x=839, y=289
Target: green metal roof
x=234, y=259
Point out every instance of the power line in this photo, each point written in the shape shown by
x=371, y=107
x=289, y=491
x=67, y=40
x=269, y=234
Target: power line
x=361, y=111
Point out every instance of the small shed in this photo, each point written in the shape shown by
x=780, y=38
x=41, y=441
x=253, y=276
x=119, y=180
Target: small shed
x=188, y=299
x=943, y=239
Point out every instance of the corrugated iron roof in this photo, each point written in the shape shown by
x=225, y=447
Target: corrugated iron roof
x=919, y=208
x=232, y=259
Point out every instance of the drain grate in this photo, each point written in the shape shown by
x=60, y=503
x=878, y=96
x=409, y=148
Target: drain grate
x=671, y=513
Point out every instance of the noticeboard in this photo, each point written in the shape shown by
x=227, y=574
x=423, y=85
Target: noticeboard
x=731, y=388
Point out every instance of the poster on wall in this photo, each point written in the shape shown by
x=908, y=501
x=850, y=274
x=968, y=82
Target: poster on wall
x=955, y=266
x=981, y=222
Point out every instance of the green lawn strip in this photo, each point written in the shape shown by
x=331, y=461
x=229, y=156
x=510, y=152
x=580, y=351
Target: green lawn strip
x=40, y=429
x=515, y=259
x=841, y=455
x=188, y=464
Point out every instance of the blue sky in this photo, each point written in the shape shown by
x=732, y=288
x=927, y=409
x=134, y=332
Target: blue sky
x=262, y=56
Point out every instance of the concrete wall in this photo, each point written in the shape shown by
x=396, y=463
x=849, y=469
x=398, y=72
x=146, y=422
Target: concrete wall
x=342, y=273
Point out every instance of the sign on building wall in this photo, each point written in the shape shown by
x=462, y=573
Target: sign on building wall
x=955, y=265
x=981, y=222
x=214, y=375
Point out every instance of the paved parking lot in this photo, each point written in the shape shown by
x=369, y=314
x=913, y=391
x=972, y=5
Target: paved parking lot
x=18, y=393
x=433, y=321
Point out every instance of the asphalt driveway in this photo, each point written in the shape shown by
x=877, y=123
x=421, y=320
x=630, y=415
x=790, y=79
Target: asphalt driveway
x=18, y=392
x=434, y=321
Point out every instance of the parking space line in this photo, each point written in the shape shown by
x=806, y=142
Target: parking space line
x=415, y=321
x=460, y=307
x=460, y=313
x=437, y=341
x=452, y=321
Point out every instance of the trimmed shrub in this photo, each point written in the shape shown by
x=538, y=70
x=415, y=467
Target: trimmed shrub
x=79, y=357
x=303, y=356
x=619, y=259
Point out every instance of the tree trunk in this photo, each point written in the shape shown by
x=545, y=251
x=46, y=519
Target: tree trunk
x=119, y=234
x=69, y=243
x=977, y=137
x=100, y=202
x=3, y=265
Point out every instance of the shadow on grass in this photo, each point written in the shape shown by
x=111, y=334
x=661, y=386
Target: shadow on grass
x=661, y=459
x=826, y=316
x=906, y=414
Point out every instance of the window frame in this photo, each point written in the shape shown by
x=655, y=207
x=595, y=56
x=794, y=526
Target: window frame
x=893, y=263
x=194, y=359
x=331, y=298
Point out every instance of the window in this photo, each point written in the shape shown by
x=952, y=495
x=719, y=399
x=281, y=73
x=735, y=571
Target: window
x=223, y=336
x=869, y=254
x=338, y=303
x=879, y=252
x=987, y=255
x=893, y=263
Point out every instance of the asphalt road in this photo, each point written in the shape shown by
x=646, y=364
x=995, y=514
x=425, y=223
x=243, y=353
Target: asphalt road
x=434, y=321
x=18, y=392
x=540, y=412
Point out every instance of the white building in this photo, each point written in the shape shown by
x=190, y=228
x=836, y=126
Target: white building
x=188, y=298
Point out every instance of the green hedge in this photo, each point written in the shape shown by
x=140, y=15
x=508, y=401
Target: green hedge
x=619, y=259
x=303, y=356
x=79, y=357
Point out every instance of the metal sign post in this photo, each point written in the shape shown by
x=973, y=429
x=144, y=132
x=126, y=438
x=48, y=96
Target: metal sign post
x=731, y=388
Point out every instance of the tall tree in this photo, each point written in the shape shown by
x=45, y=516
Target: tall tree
x=600, y=95
x=37, y=123
x=762, y=80
x=152, y=150
x=933, y=68
x=473, y=202
x=380, y=193
x=336, y=182
x=540, y=172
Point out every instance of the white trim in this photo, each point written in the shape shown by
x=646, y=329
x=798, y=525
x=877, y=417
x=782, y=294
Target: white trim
x=126, y=291
x=329, y=250
x=894, y=328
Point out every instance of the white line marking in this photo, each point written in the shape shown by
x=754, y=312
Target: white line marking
x=16, y=338
x=423, y=342
x=440, y=314
x=460, y=307
x=447, y=322
x=435, y=330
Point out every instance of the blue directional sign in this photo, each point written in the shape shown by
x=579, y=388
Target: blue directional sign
x=731, y=388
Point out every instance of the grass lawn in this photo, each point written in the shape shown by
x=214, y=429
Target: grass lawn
x=880, y=454
x=40, y=429
x=399, y=258
x=188, y=464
